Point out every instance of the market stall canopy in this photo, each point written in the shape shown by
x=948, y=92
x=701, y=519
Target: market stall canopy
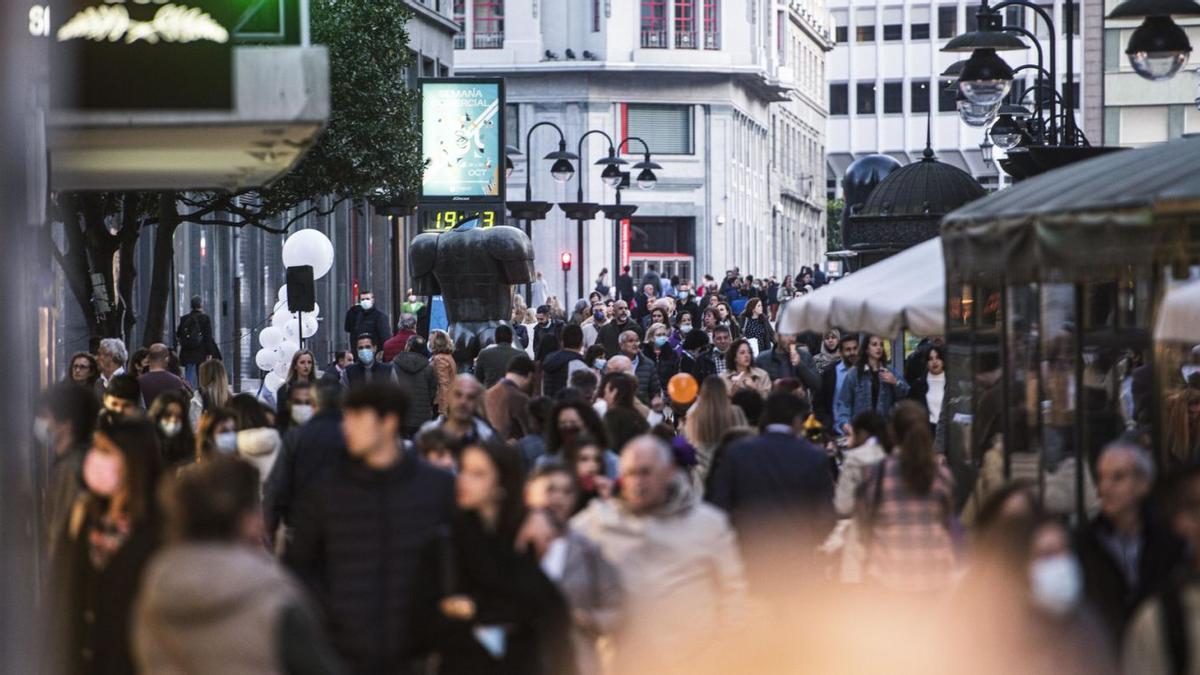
x=906, y=290
x=1082, y=221
x=1179, y=315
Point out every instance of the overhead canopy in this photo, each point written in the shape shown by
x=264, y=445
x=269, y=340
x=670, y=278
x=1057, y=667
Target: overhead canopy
x=1179, y=315
x=1081, y=221
x=906, y=290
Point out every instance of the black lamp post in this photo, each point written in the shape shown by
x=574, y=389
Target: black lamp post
x=646, y=180
x=562, y=170
x=580, y=210
x=1159, y=48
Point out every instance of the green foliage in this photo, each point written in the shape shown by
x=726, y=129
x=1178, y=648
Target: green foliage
x=371, y=145
x=833, y=223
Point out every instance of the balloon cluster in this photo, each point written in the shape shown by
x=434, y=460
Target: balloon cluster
x=281, y=340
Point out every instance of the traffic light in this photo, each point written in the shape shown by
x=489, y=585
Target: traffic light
x=566, y=261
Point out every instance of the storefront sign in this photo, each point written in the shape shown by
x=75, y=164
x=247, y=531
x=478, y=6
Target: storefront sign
x=141, y=54
x=462, y=139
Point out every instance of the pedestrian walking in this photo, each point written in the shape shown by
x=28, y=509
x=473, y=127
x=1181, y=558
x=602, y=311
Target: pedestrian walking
x=212, y=393
x=707, y=422
x=646, y=371
x=444, y=366
x=169, y=413
x=416, y=376
x=406, y=328
x=755, y=325
x=366, y=318
x=111, y=357
x=610, y=333
x=212, y=601
x=123, y=396
x=741, y=373
x=463, y=421
x=66, y=417
x=111, y=535
x=493, y=360
x=258, y=441
x=83, y=370
x=507, y=402
x=871, y=385
x=157, y=379
x=790, y=359
x=216, y=434
x=656, y=349
x=623, y=421
x=367, y=367
x=558, y=365
x=303, y=368
x=358, y=534
x=929, y=389
x=540, y=293
x=194, y=341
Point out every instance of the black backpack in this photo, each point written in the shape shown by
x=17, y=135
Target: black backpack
x=190, y=336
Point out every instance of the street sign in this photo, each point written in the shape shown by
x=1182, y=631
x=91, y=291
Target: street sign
x=462, y=139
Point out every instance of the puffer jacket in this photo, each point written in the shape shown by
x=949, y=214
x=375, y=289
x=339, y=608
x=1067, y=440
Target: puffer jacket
x=198, y=595
x=555, y=371
x=854, y=396
x=678, y=561
x=418, y=380
x=260, y=447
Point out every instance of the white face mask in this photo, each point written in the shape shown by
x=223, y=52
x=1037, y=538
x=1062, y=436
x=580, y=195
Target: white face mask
x=367, y=304
x=227, y=442
x=301, y=413
x=41, y=430
x=170, y=429
x=1056, y=582
x=412, y=298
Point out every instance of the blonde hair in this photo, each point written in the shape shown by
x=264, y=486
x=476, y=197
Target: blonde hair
x=214, y=384
x=649, y=339
x=440, y=342
x=712, y=415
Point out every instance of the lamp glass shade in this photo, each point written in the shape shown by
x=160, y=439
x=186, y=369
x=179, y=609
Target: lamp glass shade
x=985, y=78
x=646, y=180
x=985, y=151
x=1005, y=133
x=562, y=170
x=611, y=175
x=975, y=115
x=1158, y=49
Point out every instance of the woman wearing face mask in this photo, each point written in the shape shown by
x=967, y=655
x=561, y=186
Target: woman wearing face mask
x=683, y=328
x=755, y=325
x=741, y=373
x=656, y=347
x=111, y=535
x=693, y=358
x=175, y=437
x=216, y=434
x=930, y=389
x=302, y=369
x=297, y=408
x=258, y=442
x=595, y=358
x=488, y=608
x=871, y=385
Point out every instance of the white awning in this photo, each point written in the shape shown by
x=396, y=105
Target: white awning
x=907, y=290
x=1179, y=315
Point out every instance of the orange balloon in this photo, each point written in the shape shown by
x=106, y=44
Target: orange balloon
x=683, y=389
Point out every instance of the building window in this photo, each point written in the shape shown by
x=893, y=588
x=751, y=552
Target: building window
x=841, y=31
x=596, y=16
x=512, y=125
x=893, y=24
x=893, y=97
x=865, y=92
x=947, y=96
x=918, y=27
x=972, y=20
x=864, y=25
x=685, y=24
x=460, y=18
x=654, y=24
x=839, y=99
x=947, y=21
x=666, y=128
x=1040, y=27
x=1014, y=17
x=919, y=93
x=1074, y=92
x=488, y=24
x=712, y=26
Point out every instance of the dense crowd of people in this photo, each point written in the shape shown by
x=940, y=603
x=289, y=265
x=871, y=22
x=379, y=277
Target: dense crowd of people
x=651, y=482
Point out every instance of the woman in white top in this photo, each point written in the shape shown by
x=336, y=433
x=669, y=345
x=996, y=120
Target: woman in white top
x=930, y=390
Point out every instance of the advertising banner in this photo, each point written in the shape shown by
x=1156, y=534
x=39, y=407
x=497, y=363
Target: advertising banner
x=462, y=139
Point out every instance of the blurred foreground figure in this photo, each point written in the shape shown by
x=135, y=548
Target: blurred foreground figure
x=677, y=557
x=213, y=601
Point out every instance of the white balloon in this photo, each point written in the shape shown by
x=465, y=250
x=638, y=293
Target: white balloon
x=309, y=326
x=266, y=358
x=282, y=296
x=270, y=337
x=309, y=247
x=281, y=318
x=288, y=349
x=316, y=310
x=273, y=381
x=292, y=330
x=281, y=367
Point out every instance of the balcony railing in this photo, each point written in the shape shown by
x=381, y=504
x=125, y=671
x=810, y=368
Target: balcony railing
x=460, y=41
x=712, y=40
x=489, y=41
x=654, y=39
x=685, y=40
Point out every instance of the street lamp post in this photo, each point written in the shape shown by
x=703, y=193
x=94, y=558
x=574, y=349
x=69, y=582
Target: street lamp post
x=1159, y=48
x=645, y=180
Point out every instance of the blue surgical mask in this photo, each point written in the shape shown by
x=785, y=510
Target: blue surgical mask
x=660, y=340
x=685, y=328
x=227, y=442
x=366, y=356
x=598, y=315
x=599, y=364
x=367, y=304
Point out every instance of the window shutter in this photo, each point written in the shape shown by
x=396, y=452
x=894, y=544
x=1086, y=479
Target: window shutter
x=667, y=129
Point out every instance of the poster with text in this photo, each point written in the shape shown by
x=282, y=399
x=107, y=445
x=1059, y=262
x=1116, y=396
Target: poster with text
x=462, y=140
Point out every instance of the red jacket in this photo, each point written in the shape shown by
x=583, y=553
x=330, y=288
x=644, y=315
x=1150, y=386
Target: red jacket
x=396, y=344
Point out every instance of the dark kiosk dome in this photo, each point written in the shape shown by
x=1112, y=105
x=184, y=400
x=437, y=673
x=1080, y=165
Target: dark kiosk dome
x=906, y=208
x=861, y=178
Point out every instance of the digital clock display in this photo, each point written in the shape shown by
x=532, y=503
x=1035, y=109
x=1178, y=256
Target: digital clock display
x=440, y=218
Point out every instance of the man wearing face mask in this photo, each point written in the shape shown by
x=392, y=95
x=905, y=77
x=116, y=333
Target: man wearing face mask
x=685, y=302
x=1127, y=553
x=546, y=325
x=299, y=408
x=592, y=325
x=367, y=367
x=610, y=333
x=123, y=396
x=366, y=318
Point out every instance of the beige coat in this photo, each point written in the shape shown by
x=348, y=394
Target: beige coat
x=682, y=574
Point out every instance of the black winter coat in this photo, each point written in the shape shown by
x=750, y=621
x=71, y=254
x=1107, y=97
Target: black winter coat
x=358, y=537
x=667, y=362
x=779, y=365
x=209, y=346
x=1105, y=586
x=649, y=384
x=554, y=371
x=372, y=321
x=417, y=379
x=508, y=589
x=311, y=453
